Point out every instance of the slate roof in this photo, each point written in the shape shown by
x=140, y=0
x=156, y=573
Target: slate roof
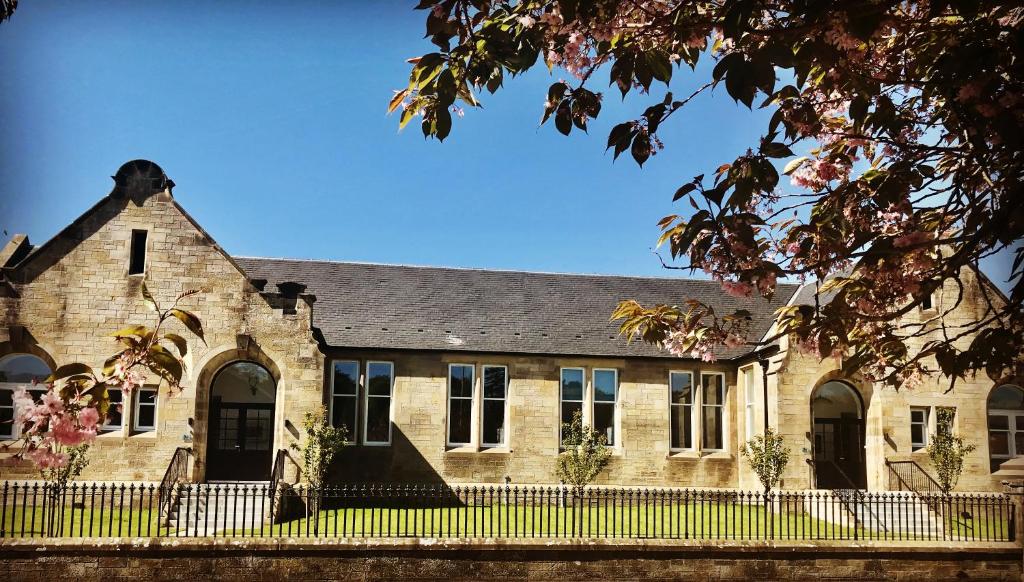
x=361, y=305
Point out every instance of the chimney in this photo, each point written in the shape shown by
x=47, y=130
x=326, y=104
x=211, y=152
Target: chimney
x=14, y=251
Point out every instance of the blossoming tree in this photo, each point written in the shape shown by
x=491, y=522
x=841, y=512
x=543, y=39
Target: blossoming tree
x=911, y=117
x=56, y=429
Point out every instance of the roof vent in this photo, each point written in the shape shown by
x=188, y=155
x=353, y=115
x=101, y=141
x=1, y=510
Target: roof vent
x=140, y=179
x=289, y=291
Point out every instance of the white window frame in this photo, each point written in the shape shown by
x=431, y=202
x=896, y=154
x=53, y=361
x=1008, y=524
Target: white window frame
x=391, y=404
x=15, y=430
x=448, y=407
x=724, y=427
x=594, y=402
x=750, y=400
x=106, y=427
x=331, y=395
x=136, y=427
x=693, y=407
x=925, y=426
x=483, y=409
x=561, y=399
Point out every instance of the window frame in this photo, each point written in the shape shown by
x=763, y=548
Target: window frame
x=33, y=389
x=483, y=409
x=749, y=400
x=594, y=402
x=137, y=397
x=925, y=425
x=448, y=406
x=692, y=406
x=104, y=427
x=331, y=395
x=561, y=398
x=721, y=405
x=391, y=404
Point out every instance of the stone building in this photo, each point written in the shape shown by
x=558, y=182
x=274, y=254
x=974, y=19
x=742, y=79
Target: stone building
x=455, y=375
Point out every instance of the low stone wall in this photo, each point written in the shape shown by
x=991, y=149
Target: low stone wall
x=451, y=560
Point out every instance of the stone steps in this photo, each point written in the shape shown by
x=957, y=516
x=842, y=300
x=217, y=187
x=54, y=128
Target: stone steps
x=207, y=508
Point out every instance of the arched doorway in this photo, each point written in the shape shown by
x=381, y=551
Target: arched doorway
x=1005, y=424
x=837, y=415
x=239, y=445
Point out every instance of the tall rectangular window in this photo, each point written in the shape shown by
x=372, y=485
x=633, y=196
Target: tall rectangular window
x=380, y=380
x=713, y=408
x=571, y=395
x=460, y=404
x=918, y=427
x=681, y=409
x=606, y=390
x=115, y=412
x=750, y=399
x=345, y=395
x=6, y=413
x=137, y=261
x=495, y=393
x=145, y=409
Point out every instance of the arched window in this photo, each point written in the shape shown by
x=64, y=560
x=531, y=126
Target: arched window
x=18, y=370
x=1005, y=424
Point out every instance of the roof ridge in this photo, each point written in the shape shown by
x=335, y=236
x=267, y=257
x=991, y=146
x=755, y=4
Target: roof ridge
x=484, y=269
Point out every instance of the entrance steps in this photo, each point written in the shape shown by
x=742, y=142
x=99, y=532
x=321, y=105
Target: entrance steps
x=209, y=508
x=1011, y=469
x=895, y=513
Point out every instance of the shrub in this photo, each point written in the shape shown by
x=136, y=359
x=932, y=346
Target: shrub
x=586, y=454
x=768, y=456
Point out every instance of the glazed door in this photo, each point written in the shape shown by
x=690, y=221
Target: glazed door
x=241, y=440
x=839, y=453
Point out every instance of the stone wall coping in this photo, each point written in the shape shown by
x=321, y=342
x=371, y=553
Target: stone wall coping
x=175, y=545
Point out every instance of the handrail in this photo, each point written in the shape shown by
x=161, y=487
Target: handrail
x=844, y=495
x=846, y=478
x=914, y=480
x=177, y=471
x=277, y=472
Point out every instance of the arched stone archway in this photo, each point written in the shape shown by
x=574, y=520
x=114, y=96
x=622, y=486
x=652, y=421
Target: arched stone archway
x=239, y=445
x=837, y=436
x=1005, y=407
x=224, y=397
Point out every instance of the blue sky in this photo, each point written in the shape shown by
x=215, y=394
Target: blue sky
x=272, y=123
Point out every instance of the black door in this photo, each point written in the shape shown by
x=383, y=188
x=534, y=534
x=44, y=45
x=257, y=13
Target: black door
x=839, y=453
x=241, y=436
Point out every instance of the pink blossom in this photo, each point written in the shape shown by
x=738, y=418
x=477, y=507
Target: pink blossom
x=733, y=341
x=64, y=431
x=45, y=458
x=51, y=400
x=793, y=248
x=969, y=91
x=526, y=21
x=737, y=288
x=438, y=10
x=911, y=239
x=88, y=417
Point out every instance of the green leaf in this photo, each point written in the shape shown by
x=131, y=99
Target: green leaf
x=68, y=370
x=132, y=330
x=776, y=150
x=166, y=364
x=793, y=165
x=684, y=190
x=147, y=298
x=641, y=149
x=179, y=342
x=191, y=322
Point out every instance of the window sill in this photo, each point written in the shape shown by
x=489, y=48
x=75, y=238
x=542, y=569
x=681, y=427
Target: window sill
x=697, y=455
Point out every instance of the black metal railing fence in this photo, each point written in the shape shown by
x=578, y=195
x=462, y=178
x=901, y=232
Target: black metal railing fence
x=250, y=510
x=909, y=476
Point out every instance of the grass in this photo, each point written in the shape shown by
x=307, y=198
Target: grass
x=32, y=521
